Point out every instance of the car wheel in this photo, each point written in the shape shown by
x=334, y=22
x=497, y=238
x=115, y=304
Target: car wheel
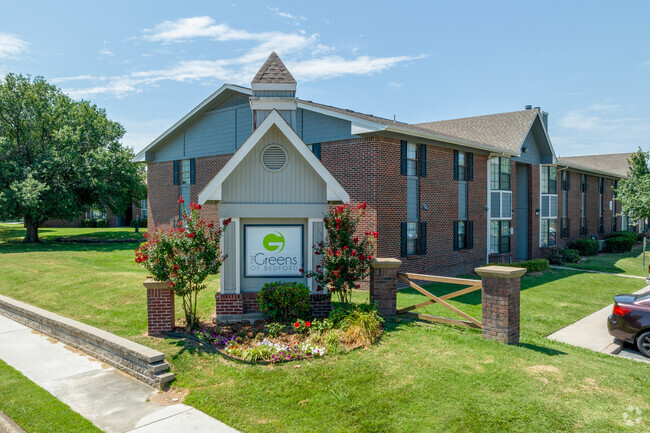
x=643, y=343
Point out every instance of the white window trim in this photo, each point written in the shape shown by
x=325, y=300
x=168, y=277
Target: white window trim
x=489, y=207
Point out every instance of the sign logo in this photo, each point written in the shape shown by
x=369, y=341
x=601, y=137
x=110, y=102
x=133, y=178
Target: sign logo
x=273, y=241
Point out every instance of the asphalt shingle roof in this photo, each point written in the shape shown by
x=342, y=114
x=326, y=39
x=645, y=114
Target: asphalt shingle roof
x=274, y=71
x=614, y=163
x=504, y=130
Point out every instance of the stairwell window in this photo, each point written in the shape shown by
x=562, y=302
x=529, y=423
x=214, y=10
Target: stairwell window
x=500, y=205
x=584, y=186
x=565, y=223
x=548, y=220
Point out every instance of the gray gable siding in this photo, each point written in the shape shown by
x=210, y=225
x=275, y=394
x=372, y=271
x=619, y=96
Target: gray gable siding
x=538, y=150
x=318, y=128
x=226, y=127
x=251, y=184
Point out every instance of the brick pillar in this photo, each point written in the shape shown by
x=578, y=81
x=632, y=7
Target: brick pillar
x=500, y=299
x=160, y=307
x=383, y=285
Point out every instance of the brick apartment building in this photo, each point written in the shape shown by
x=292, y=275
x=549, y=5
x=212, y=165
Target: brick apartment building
x=445, y=196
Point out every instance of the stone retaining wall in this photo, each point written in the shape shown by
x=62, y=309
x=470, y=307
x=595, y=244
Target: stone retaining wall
x=143, y=363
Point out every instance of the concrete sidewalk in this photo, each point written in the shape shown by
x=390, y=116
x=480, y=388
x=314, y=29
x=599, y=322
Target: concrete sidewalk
x=591, y=333
x=108, y=398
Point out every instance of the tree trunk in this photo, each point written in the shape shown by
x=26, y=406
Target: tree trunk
x=31, y=236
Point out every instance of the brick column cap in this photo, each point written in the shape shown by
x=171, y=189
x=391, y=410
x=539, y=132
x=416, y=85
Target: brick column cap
x=151, y=284
x=385, y=263
x=506, y=272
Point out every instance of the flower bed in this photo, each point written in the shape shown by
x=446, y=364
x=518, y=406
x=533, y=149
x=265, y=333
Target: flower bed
x=267, y=342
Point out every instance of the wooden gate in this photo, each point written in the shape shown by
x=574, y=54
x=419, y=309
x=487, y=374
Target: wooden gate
x=433, y=299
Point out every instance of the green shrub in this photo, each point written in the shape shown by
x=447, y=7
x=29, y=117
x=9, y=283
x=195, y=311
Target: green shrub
x=102, y=223
x=362, y=327
x=142, y=223
x=570, y=256
x=556, y=257
x=585, y=247
x=89, y=223
x=285, y=301
x=274, y=328
x=619, y=244
x=560, y=256
x=536, y=265
x=622, y=233
x=338, y=314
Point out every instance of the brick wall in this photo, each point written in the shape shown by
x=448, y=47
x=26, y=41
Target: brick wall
x=160, y=310
x=163, y=194
x=246, y=303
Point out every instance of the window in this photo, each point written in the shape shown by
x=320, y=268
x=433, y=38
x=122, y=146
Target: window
x=548, y=233
x=143, y=209
x=411, y=238
x=566, y=180
x=565, y=228
x=601, y=219
x=97, y=214
x=499, y=236
x=549, y=179
x=500, y=174
x=583, y=218
x=463, y=235
x=185, y=171
x=411, y=159
x=584, y=183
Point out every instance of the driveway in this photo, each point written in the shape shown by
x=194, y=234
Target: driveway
x=591, y=333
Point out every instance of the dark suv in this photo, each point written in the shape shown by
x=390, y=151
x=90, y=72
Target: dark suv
x=630, y=321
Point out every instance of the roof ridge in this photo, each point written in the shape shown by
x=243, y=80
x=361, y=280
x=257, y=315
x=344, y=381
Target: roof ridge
x=479, y=116
x=273, y=71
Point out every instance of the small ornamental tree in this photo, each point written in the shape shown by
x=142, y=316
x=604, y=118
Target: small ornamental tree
x=184, y=256
x=346, y=256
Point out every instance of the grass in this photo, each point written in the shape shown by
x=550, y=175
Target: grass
x=419, y=377
x=35, y=409
x=630, y=263
x=15, y=233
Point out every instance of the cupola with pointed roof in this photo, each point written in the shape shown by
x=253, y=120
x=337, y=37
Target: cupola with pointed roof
x=274, y=88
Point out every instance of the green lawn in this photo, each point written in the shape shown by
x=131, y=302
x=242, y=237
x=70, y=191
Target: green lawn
x=630, y=263
x=419, y=377
x=35, y=409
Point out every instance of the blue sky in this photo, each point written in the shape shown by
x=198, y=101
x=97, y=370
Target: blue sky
x=149, y=63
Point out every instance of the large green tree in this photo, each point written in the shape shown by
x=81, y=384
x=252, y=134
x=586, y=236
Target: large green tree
x=634, y=192
x=58, y=156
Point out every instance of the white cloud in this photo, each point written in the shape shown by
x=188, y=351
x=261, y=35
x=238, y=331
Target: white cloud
x=107, y=53
x=336, y=66
x=185, y=29
x=11, y=47
x=238, y=70
x=601, y=128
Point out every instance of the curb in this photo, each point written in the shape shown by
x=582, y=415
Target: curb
x=7, y=425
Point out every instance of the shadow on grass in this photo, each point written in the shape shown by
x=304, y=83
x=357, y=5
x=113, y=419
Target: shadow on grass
x=50, y=246
x=541, y=349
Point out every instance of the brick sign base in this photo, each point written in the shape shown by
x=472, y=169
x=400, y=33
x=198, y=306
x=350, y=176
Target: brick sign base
x=160, y=307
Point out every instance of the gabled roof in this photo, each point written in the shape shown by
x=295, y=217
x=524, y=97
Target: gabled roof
x=212, y=191
x=612, y=164
x=206, y=105
x=504, y=130
x=273, y=71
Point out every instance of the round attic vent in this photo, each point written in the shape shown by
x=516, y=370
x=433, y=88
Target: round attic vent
x=274, y=157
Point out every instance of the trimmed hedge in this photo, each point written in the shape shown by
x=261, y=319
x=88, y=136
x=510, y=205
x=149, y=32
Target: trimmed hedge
x=102, y=223
x=536, y=265
x=632, y=235
x=619, y=244
x=285, y=301
x=563, y=255
x=88, y=223
x=585, y=247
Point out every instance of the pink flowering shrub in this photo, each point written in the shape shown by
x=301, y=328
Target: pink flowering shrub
x=345, y=256
x=184, y=256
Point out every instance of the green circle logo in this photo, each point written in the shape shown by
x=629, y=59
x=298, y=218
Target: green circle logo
x=273, y=242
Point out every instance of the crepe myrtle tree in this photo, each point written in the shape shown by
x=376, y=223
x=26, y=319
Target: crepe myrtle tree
x=58, y=157
x=184, y=256
x=345, y=255
x=634, y=191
